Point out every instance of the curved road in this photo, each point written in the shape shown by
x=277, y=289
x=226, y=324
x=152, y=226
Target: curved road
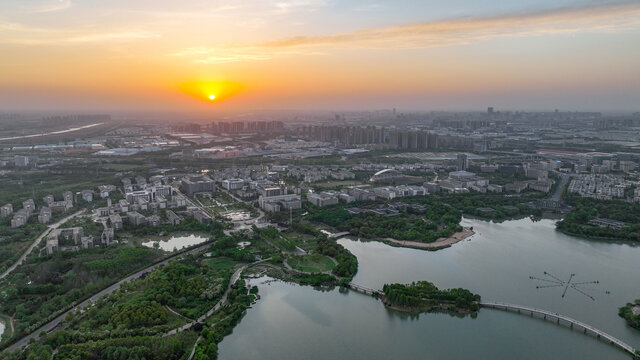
x=37, y=241
x=48, y=327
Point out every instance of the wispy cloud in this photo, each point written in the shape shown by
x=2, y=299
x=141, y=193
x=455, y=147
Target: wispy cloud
x=608, y=17
x=112, y=36
x=218, y=55
x=52, y=5
x=449, y=32
x=15, y=33
x=299, y=5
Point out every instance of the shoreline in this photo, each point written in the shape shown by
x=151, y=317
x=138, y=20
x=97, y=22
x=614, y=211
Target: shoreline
x=441, y=243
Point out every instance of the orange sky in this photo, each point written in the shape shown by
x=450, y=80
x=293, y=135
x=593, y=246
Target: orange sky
x=59, y=54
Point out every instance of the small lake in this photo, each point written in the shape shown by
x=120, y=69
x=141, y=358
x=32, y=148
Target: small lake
x=176, y=242
x=495, y=263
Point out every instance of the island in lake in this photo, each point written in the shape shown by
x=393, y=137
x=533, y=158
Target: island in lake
x=423, y=296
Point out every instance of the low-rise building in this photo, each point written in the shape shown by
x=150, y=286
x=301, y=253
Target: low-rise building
x=322, y=199
x=275, y=203
x=29, y=206
x=197, y=184
x=232, y=184
x=136, y=219
x=45, y=215
x=173, y=218
x=116, y=221
x=87, y=195
x=6, y=210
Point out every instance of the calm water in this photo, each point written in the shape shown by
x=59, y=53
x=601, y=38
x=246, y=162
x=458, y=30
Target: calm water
x=176, y=242
x=496, y=263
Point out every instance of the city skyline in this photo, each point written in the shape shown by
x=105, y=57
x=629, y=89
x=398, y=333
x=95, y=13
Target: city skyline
x=319, y=55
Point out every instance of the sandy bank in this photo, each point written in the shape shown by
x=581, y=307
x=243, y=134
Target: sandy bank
x=436, y=245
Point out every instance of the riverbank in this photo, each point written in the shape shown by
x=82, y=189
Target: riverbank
x=439, y=244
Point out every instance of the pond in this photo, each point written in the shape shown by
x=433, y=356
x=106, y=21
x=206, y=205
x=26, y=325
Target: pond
x=176, y=242
x=496, y=263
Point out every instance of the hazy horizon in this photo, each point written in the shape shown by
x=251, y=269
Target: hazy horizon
x=65, y=55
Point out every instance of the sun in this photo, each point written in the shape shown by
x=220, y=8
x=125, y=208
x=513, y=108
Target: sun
x=212, y=97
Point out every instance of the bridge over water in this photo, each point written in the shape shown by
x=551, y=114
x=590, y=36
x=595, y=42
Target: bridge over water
x=367, y=291
x=562, y=319
x=533, y=312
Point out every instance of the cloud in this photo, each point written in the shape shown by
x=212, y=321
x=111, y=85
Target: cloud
x=607, y=17
x=298, y=5
x=53, y=5
x=113, y=36
x=450, y=32
x=15, y=33
x=220, y=55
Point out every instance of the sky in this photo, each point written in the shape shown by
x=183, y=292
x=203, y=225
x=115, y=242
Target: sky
x=162, y=55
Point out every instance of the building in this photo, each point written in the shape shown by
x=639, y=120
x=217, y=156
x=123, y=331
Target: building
x=462, y=162
x=270, y=191
x=116, y=221
x=124, y=205
x=201, y=216
x=197, y=184
x=136, y=219
x=346, y=198
x=517, y=186
x=67, y=196
x=87, y=195
x=173, y=218
x=21, y=161
x=275, y=203
x=108, y=236
x=322, y=199
x=233, y=184
x=49, y=199
x=386, y=175
x=385, y=193
x=607, y=223
x=45, y=215
x=6, y=210
x=105, y=190
x=29, y=206
x=153, y=220
x=179, y=201
x=20, y=218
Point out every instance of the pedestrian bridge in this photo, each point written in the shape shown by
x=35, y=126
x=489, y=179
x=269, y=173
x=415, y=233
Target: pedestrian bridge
x=366, y=290
x=562, y=319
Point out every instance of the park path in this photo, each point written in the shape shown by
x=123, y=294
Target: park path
x=234, y=278
x=48, y=327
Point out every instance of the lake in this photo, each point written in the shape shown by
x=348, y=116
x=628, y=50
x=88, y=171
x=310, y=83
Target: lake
x=176, y=242
x=496, y=263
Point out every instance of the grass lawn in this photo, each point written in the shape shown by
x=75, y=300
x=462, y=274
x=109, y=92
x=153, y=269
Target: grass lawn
x=283, y=243
x=311, y=263
x=219, y=263
x=304, y=241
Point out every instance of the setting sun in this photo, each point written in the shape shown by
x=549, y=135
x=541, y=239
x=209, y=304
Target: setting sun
x=211, y=90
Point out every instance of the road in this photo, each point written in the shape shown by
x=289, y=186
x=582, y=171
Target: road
x=55, y=322
x=37, y=241
x=564, y=178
